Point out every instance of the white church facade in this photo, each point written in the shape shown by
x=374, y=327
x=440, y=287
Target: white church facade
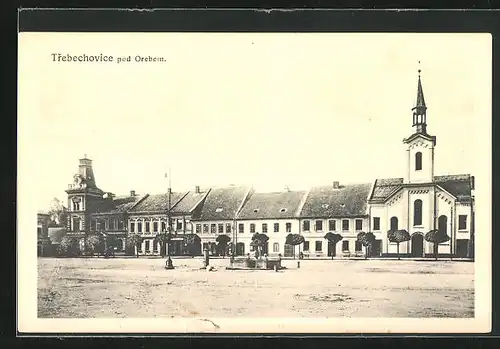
x=420, y=201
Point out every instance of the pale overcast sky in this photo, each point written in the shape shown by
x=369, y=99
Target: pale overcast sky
x=263, y=109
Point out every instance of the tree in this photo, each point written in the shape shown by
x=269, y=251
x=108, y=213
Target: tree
x=69, y=246
x=222, y=241
x=58, y=214
x=294, y=240
x=436, y=237
x=259, y=241
x=95, y=243
x=398, y=236
x=164, y=239
x=366, y=239
x=333, y=238
x=190, y=242
x=135, y=240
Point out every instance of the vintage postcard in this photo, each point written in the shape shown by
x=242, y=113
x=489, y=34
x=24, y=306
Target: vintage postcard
x=254, y=183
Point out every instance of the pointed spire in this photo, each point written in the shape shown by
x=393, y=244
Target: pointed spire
x=420, y=105
x=420, y=109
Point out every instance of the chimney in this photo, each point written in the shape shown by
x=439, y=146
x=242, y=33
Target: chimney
x=336, y=185
x=197, y=189
x=132, y=193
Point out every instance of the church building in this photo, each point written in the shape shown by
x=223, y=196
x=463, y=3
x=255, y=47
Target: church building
x=420, y=201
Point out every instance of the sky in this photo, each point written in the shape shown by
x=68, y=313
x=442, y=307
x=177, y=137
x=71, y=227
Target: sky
x=269, y=110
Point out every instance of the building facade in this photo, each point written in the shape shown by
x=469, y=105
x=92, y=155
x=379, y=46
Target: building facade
x=418, y=201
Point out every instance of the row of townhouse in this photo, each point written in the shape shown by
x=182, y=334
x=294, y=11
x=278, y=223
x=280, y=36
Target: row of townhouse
x=418, y=202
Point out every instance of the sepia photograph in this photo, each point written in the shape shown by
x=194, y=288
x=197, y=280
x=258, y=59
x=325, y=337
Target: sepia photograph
x=254, y=182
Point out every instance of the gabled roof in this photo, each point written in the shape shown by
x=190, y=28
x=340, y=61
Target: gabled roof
x=272, y=205
x=326, y=201
x=222, y=203
x=119, y=204
x=457, y=185
x=384, y=188
x=159, y=202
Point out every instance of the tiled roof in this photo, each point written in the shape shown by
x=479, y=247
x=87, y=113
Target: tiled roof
x=457, y=185
x=222, y=203
x=158, y=202
x=347, y=200
x=272, y=205
x=385, y=187
x=119, y=204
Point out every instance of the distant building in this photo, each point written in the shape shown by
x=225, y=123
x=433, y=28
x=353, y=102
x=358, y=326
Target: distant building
x=339, y=209
x=43, y=241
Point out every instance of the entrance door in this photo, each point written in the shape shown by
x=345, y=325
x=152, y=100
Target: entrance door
x=462, y=248
x=376, y=249
x=331, y=249
x=417, y=245
x=240, y=249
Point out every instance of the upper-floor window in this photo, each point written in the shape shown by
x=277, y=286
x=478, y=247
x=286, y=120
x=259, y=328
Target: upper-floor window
x=276, y=227
x=120, y=224
x=252, y=228
x=213, y=228
x=132, y=227
x=147, y=227
x=417, y=212
x=179, y=224
x=319, y=225
x=462, y=222
x=228, y=227
x=288, y=227
x=307, y=226
x=221, y=228
x=418, y=161
x=264, y=227
x=331, y=225
x=155, y=226
x=205, y=228
x=345, y=224
x=359, y=224
x=198, y=228
x=241, y=228
x=376, y=223
x=139, y=227
x=163, y=226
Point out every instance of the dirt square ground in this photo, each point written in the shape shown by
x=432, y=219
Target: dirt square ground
x=129, y=287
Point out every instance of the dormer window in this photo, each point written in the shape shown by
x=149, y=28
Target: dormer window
x=256, y=210
x=283, y=210
x=342, y=205
x=218, y=209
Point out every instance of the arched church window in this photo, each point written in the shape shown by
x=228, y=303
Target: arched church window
x=417, y=212
x=442, y=224
x=418, y=161
x=394, y=223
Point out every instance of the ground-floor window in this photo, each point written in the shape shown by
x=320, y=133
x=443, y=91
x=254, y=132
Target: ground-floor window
x=358, y=246
x=147, y=246
x=276, y=247
x=306, y=245
x=319, y=246
x=345, y=245
x=155, y=247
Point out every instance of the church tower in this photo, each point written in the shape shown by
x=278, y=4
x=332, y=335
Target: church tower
x=420, y=145
x=83, y=198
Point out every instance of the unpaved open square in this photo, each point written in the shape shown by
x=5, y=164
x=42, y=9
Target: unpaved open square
x=97, y=287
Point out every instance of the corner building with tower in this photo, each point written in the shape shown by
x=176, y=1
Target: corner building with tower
x=418, y=201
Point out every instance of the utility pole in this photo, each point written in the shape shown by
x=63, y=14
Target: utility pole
x=169, y=264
